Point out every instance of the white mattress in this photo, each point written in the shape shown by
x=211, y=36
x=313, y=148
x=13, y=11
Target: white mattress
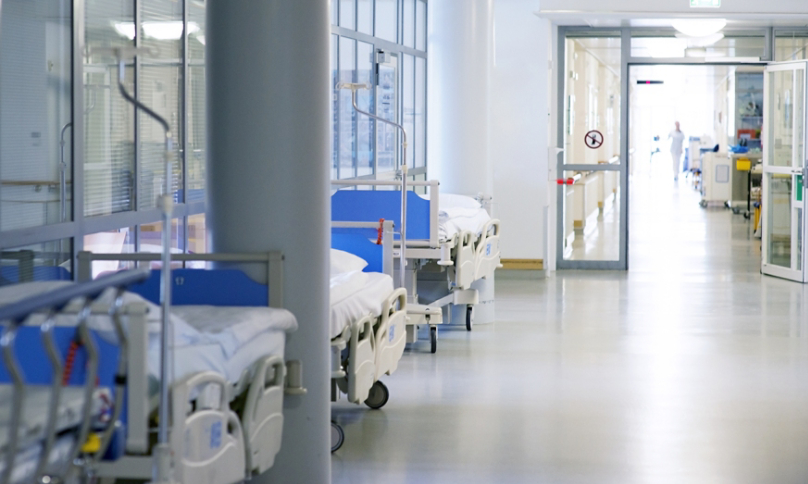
x=459, y=213
x=355, y=295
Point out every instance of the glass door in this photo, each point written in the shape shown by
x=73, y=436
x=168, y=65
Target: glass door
x=784, y=171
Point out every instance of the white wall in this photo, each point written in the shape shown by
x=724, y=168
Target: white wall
x=518, y=130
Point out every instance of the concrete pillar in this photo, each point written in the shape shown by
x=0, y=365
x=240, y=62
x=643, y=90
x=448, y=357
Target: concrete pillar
x=268, y=151
x=461, y=53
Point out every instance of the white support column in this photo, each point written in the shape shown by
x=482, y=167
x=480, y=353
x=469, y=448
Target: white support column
x=460, y=60
x=461, y=55
x=268, y=151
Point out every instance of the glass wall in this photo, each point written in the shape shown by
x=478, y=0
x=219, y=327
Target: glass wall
x=381, y=43
x=63, y=120
x=790, y=45
x=36, y=165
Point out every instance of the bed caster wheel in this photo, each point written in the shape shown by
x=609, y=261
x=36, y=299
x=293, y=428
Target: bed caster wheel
x=703, y=204
x=469, y=313
x=378, y=396
x=746, y=215
x=337, y=436
x=433, y=340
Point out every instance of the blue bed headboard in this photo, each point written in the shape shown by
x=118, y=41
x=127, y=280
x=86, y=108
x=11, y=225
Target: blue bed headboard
x=214, y=287
x=370, y=206
x=356, y=241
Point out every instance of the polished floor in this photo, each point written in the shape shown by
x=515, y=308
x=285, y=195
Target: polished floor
x=690, y=368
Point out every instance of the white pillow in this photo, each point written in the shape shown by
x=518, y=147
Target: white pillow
x=342, y=262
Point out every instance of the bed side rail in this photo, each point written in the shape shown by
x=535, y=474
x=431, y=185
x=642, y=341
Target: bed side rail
x=14, y=316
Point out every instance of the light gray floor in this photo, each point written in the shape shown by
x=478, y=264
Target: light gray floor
x=690, y=368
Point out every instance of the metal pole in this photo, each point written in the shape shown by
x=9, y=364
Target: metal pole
x=162, y=455
x=403, y=229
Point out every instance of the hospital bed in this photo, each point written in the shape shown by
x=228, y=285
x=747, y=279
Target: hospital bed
x=58, y=414
x=368, y=315
x=459, y=240
x=228, y=362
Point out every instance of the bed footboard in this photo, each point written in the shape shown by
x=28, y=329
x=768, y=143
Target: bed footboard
x=487, y=250
x=391, y=335
x=263, y=414
x=207, y=440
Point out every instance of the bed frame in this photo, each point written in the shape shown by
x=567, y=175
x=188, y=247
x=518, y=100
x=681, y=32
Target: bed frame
x=258, y=433
x=464, y=258
x=25, y=347
x=374, y=345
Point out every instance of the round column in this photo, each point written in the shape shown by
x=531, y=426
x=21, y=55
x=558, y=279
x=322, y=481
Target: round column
x=268, y=151
x=461, y=54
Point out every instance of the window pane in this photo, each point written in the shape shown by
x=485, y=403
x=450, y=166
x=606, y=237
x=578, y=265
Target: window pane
x=409, y=23
x=387, y=19
x=334, y=12
x=197, y=234
x=420, y=25
x=420, y=112
x=365, y=16
x=347, y=115
x=196, y=134
x=121, y=241
x=151, y=237
x=160, y=88
x=109, y=121
x=364, y=149
x=387, y=141
x=35, y=95
x=347, y=13
x=335, y=112
x=47, y=261
x=408, y=93
x=791, y=45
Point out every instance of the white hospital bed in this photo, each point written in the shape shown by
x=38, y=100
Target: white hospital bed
x=228, y=361
x=367, y=326
x=457, y=239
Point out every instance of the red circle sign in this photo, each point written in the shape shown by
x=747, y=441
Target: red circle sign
x=594, y=139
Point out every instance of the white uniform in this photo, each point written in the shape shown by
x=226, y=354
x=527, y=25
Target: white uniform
x=677, y=140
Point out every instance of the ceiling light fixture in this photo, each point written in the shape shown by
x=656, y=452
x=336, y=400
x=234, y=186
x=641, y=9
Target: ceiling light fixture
x=699, y=27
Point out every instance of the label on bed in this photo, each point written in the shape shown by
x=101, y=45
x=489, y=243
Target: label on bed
x=488, y=249
x=392, y=333
x=216, y=435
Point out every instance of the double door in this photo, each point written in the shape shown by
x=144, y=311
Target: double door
x=784, y=171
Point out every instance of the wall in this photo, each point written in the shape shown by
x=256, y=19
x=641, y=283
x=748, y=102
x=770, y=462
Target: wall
x=518, y=130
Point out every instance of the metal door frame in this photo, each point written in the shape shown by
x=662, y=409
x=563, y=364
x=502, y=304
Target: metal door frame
x=626, y=62
x=800, y=274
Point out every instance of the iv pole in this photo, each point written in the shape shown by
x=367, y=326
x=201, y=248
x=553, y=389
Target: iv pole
x=403, y=229
x=162, y=454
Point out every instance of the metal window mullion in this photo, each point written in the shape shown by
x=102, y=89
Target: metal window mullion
x=373, y=83
x=625, y=54
x=184, y=118
x=136, y=89
x=355, y=78
x=77, y=144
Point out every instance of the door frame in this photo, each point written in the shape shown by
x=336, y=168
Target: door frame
x=626, y=62
x=800, y=274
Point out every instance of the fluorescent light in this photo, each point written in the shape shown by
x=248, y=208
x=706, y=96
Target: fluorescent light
x=705, y=41
x=158, y=30
x=125, y=29
x=699, y=27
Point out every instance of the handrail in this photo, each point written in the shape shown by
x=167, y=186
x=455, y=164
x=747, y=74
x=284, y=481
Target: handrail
x=17, y=312
x=383, y=183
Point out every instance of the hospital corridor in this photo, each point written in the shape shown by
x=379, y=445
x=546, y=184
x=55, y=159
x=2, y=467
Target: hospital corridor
x=403, y=241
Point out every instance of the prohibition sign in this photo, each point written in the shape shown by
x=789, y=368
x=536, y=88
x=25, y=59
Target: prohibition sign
x=593, y=139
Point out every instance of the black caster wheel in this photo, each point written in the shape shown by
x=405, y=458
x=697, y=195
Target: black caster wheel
x=703, y=204
x=746, y=215
x=378, y=396
x=469, y=311
x=433, y=340
x=337, y=436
